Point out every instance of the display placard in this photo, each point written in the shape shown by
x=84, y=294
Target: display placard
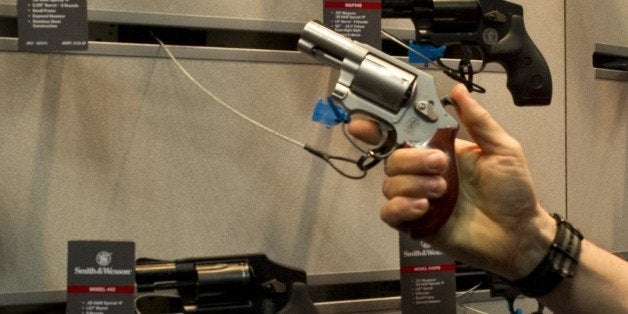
x=428, y=278
x=101, y=277
x=358, y=20
x=51, y=25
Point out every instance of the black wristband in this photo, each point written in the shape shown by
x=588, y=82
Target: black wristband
x=559, y=262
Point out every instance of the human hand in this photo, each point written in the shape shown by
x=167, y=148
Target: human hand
x=498, y=223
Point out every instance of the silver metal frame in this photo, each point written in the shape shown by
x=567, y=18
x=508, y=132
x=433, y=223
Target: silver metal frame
x=97, y=48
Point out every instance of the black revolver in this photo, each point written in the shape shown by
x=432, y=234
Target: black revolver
x=231, y=284
x=495, y=26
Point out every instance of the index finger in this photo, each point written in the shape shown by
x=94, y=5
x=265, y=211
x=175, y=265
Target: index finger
x=365, y=130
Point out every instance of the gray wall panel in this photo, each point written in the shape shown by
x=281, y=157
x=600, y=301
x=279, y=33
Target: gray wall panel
x=126, y=148
x=597, y=125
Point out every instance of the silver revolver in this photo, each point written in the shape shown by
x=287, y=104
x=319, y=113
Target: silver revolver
x=401, y=97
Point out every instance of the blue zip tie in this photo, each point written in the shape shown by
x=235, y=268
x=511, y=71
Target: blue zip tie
x=329, y=113
x=428, y=51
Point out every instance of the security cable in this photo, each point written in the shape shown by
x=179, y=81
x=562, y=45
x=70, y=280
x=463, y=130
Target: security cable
x=224, y=104
x=329, y=159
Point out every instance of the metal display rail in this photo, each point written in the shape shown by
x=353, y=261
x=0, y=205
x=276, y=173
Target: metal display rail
x=109, y=36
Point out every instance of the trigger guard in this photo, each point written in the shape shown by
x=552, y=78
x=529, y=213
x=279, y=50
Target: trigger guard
x=371, y=157
x=387, y=144
x=382, y=149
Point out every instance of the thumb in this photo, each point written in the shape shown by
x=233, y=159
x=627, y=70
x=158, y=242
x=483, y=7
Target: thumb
x=484, y=130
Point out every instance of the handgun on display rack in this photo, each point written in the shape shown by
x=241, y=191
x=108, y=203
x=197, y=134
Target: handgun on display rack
x=496, y=27
x=232, y=284
x=401, y=97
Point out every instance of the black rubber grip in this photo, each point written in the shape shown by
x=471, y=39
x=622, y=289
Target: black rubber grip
x=529, y=78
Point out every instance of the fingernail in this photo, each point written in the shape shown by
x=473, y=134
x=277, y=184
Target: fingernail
x=437, y=186
x=419, y=206
x=463, y=89
x=436, y=161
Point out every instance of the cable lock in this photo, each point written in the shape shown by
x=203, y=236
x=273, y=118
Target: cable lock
x=337, y=111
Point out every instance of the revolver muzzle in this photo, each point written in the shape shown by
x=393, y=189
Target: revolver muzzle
x=323, y=43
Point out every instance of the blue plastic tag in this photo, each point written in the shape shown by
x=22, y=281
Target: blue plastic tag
x=428, y=51
x=329, y=113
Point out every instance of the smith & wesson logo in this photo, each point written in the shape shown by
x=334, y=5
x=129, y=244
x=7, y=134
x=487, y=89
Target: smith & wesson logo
x=103, y=259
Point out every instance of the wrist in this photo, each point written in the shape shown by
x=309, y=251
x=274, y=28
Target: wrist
x=560, y=261
x=534, y=240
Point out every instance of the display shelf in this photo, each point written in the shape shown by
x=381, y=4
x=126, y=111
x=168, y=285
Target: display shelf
x=109, y=36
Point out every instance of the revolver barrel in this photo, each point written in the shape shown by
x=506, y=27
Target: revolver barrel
x=325, y=44
x=207, y=277
x=434, y=13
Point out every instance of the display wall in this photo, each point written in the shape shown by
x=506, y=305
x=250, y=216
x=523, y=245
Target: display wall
x=106, y=147
x=597, y=125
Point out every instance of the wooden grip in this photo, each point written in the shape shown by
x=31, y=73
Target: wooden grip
x=440, y=208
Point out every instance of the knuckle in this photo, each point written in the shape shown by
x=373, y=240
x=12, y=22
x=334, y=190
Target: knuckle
x=387, y=188
x=384, y=214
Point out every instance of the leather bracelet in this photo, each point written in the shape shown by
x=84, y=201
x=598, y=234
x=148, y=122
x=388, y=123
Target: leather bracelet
x=559, y=262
